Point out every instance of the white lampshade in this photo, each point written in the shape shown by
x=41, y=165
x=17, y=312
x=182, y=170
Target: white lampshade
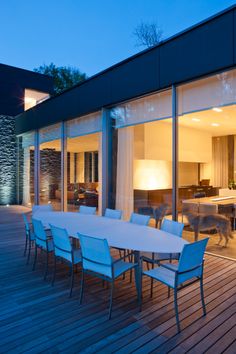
x=152, y=174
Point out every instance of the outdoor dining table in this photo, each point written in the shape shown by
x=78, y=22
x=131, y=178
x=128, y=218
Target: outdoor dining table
x=118, y=233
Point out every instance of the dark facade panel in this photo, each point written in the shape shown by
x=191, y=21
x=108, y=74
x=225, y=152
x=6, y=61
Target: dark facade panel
x=13, y=81
x=86, y=98
x=136, y=77
x=201, y=51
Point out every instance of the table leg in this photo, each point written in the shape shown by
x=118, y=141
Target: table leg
x=138, y=275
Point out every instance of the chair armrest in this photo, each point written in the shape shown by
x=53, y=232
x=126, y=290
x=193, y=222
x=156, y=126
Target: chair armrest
x=169, y=267
x=120, y=259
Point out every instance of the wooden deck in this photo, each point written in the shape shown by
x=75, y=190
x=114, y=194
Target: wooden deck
x=36, y=317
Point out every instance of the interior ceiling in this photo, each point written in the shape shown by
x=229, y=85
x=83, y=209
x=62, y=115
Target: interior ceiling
x=226, y=120
x=78, y=144
x=36, y=95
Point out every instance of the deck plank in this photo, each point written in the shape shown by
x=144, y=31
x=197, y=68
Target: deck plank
x=36, y=317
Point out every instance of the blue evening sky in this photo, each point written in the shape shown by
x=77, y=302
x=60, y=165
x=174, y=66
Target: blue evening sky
x=89, y=34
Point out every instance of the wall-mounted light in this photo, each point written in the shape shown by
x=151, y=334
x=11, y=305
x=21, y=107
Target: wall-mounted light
x=216, y=109
x=215, y=124
x=152, y=174
x=196, y=119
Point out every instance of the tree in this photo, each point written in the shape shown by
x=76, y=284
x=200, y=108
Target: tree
x=64, y=76
x=148, y=34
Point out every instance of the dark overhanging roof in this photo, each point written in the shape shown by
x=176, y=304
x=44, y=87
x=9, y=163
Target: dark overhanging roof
x=203, y=49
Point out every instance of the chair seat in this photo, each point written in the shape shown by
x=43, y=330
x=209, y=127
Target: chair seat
x=50, y=245
x=147, y=256
x=122, y=267
x=162, y=274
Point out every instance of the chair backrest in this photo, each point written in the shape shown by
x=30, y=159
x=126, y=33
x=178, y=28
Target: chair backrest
x=192, y=255
x=26, y=223
x=96, y=255
x=41, y=208
x=61, y=241
x=208, y=209
x=139, y=219
x=40, y=234
x=173, y=227
x=113, y=214
x=83, y=209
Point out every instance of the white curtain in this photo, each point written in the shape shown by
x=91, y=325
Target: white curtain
x=220, y=161
x=124, y=179
x=26, y=177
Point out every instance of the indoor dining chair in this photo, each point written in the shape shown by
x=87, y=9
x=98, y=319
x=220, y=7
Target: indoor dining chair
x=113, y=214
x=43, y=242
x=172, y=227
x=64, y=250
x=41, y=208
x=189, y=269
x=139, y=219
x=29, y=237
x=83, y=209
x=97, y=261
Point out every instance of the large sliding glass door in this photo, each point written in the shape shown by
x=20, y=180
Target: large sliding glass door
x=84, y=162
x=207, y=158
x=50, y=189
x=143, y=155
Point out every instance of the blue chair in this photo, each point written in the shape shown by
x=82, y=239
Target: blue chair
x=29, y=237
x=97, y=261
x=189, y=267
x=83, y=209
x=41, y=208
x=43, y=242
x=174, y=228
x=139, y=219
x=63, y=249
x=113, y=214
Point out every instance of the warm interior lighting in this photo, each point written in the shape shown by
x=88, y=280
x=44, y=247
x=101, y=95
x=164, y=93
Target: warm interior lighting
x=152, y=174
x=195, y=119
x=215, y=124
x=216, y=109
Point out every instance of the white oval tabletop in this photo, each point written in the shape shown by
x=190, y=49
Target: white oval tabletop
x=120, y=234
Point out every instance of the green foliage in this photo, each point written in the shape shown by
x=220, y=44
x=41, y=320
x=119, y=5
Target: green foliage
x=64, y=76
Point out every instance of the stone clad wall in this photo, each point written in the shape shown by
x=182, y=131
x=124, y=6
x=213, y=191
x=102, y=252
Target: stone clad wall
x=7, y=160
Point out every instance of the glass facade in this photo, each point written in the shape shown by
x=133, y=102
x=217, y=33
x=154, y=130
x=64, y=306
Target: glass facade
x=50, y=166
x=145, y=171
x=26, y=149
x=83, y=161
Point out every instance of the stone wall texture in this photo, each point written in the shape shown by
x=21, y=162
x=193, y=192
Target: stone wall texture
x=7, y=160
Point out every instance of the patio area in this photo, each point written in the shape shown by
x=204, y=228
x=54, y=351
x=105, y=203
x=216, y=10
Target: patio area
x=36, y=317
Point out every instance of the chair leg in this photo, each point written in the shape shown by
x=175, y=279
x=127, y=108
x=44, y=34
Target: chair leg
x=111, y=298
x=26, y=243
x=176, y=310
x=29, y=252
x=141, y=290
x=35, y=256
x=54, y=270
x=46, y=267
x=202, y=296
x=168, y=291
x=151, y=290
x=81, y=288
x=72, y=279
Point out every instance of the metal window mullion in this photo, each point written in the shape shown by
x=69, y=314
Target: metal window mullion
x=106, y=159
x=175, y=148
x=36, y=168
x=63, y=167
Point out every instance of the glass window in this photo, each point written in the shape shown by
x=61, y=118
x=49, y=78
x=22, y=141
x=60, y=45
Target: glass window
x=142, y=156
x=84, y=161
x=50, y=166
x=26, y=169
x=207, y=158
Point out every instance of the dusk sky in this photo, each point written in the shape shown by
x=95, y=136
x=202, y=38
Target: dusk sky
x=89, y=34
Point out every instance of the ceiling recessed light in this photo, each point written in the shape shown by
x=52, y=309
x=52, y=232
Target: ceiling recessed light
x=195, y=119
x=216, y=109
x=215, y=124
